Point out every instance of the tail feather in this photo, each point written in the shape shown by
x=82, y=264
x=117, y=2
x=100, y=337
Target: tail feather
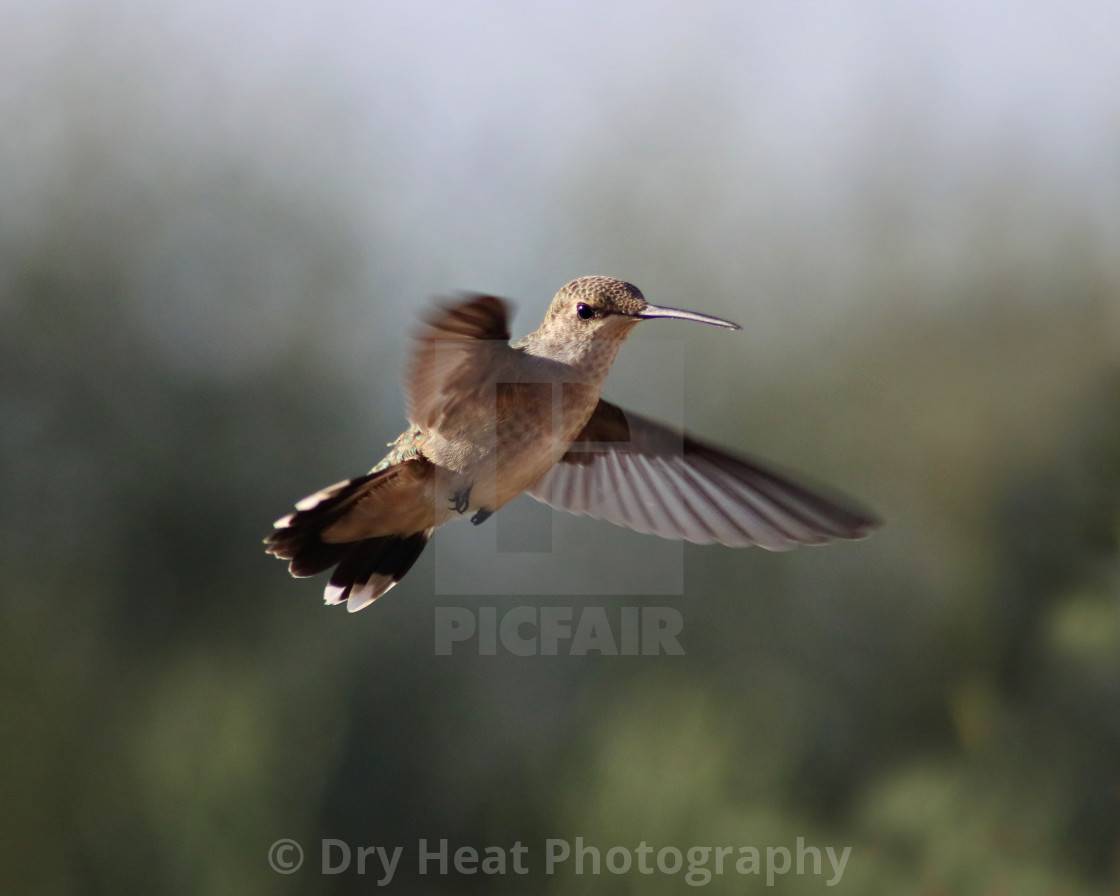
x=298, y=535
x=364, y=569
x=373, y=566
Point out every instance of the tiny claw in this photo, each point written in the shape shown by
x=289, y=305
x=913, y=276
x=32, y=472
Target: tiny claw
x=481, y=517
x=461, y=501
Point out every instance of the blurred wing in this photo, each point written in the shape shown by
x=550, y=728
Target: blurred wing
x=456, y=346
x=648, y=477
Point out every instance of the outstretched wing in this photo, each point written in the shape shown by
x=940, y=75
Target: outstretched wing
x=641, y=474
x=457, y=345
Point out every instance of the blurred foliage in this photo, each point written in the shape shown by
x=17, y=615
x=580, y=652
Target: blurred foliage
x=188, y=344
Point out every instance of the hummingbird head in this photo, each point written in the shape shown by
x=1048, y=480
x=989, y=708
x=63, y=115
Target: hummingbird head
x=592, y=316
x=603, y=305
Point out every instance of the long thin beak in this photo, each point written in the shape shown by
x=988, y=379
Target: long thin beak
x=651, y=311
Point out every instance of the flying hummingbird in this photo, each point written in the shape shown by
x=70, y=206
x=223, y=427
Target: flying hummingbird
x=490, y=420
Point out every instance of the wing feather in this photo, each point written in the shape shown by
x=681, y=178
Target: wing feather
x=633, y=471
x=459, y=344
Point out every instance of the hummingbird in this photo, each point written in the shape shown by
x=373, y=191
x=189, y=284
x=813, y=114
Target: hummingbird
x=490, y=420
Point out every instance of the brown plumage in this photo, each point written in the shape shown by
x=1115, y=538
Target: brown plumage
x=490, y=420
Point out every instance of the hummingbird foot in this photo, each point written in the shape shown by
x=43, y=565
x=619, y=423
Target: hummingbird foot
x=461, y=500
x=481, y=517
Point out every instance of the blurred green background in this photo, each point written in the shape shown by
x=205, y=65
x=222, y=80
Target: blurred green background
x=219, y=220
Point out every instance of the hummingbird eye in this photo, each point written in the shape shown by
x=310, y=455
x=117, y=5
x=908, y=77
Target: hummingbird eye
x=584, y=312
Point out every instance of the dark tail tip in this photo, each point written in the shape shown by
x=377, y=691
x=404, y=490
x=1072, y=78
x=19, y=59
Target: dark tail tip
x=371, y=567
x=298, y=536
x=365, y=569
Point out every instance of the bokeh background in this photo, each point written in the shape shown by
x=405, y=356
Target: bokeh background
x=218, y=220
